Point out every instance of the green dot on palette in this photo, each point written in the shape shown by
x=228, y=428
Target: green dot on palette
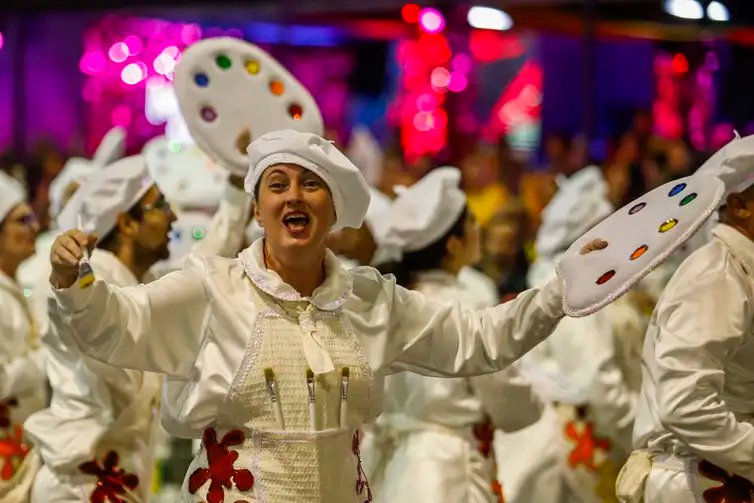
x=198, y=233
x=223, y=61
x=686, y=200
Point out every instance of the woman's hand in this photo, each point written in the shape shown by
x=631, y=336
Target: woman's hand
x=65, y=255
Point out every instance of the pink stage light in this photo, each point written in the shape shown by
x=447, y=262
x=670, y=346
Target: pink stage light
x=410, y=12
x=134, y=73
x=431, y=20
x=440, y=78
x=2, y=40
x=134, y=44
x=92, y=62
x=121, y=116
x=458, y=82
x=118, y=52
x=462, y=63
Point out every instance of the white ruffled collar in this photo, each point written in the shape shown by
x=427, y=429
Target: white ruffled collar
x=329, y=296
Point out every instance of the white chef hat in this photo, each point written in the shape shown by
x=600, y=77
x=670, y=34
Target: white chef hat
x=425, y=211
x=377, y=218
x=733, y=164
x=109, y=192
x=75, y=169
x=111, y=148
x=580, y=203
x=365, y=152
x=350, y=192
x=12, y=193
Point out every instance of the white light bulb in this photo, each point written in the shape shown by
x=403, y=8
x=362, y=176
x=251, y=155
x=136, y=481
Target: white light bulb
x=487, y=18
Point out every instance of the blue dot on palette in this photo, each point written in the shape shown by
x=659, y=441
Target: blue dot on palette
x=201, y=79
x=677, y=189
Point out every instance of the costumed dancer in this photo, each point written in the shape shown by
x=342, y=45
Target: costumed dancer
x=22, y=379
x=588, y=371
x=694, y=434
x=277, y=413
x=433, y=441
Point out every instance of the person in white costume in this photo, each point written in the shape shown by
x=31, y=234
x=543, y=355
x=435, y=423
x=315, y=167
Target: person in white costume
x=433, y=440
x=256, y=348
x=694, y=434
x=34, y=273
x=588, y=371
x=98, y=409
x=22, y=381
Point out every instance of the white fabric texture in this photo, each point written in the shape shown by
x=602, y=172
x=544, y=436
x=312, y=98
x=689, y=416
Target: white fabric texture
x=425, y=211
x=96, y=408
x=733, y=164
x=423, y=447
x=349, y=191
x=696, y=391
x=212, y=317
x=106, y=194
x=12, y=193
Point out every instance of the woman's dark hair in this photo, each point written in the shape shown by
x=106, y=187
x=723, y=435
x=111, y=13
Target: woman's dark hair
x=110, y=241
x=426, y=259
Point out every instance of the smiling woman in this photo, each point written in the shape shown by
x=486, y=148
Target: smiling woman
x=277, y=358
x=22, y=386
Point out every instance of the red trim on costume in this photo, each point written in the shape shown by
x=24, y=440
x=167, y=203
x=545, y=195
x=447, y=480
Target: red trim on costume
x=220, y=471
x=734, y=489
x=112, y=481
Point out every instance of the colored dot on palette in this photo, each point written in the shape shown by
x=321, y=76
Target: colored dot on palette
x=667, y=225
x=677, y=189
x=208, y=114
x=276, y=87
x=223, y=61
x=201, y=79
x=198, y=233
x=686, y=200
x=636, y=208
x=639, y=252
x=295, y=111
x=252, y=67
x=605, y=277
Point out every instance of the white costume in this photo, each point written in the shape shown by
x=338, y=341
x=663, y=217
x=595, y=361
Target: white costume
x=98, y=409
x=588, y=371
x=221, y=326
x=433, y=441
x=695, y=401
x=22, y=381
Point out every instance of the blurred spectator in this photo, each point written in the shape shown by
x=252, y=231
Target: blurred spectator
x=482, y=182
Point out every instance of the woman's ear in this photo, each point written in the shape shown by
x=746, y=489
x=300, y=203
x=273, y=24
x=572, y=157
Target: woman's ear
x=454, y=246
x=127, y=225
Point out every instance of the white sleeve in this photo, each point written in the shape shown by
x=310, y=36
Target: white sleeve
x=158, y=327
x=508, y=399
x=444, y=339
x=226, y=231
x=701, y=322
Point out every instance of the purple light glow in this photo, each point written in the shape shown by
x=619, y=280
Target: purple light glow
x=431, y=20
x=2, y=40
x=92, y=62
x=134, y=44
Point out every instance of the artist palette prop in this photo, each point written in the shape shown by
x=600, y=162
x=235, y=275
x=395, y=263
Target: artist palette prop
x=639, y=236
x=184, y=173
x=231, y=92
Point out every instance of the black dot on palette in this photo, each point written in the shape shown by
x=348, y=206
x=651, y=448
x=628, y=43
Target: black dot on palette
x=295, y=111
x=676, y=190
x=605, y=277
x=201, y=79
x=223, y=61
x=686, y=200
x=208, y=114
x=636, y=208
x=667, y=225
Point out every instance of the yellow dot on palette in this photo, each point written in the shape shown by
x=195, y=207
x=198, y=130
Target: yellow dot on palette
x=667, y=225
x=276, y=87
x=252, y=67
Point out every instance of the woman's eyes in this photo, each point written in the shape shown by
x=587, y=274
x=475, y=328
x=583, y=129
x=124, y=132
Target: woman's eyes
x=312, y=184
x=277, y=185
x=308, y=184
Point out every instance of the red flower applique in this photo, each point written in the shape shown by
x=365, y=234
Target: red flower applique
x=586, y=444
x=5, y=406
x=13, y=450
x=362, y=484
x=112, y=481
x=734, y=489
x=220, y=471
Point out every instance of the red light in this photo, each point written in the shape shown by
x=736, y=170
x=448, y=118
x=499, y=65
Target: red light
x=489, y=45
x=431, y=20
x=410, y=12
x=680, y=63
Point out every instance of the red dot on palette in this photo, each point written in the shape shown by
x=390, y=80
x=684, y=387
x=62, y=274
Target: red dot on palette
x=639, y=252
x=208, y=114
x=605, y=277
x=295, y=111
x=276, y=87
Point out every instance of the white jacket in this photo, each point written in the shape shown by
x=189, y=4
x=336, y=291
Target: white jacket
x=698, y=377
x=424, y=445
x=216, y=325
